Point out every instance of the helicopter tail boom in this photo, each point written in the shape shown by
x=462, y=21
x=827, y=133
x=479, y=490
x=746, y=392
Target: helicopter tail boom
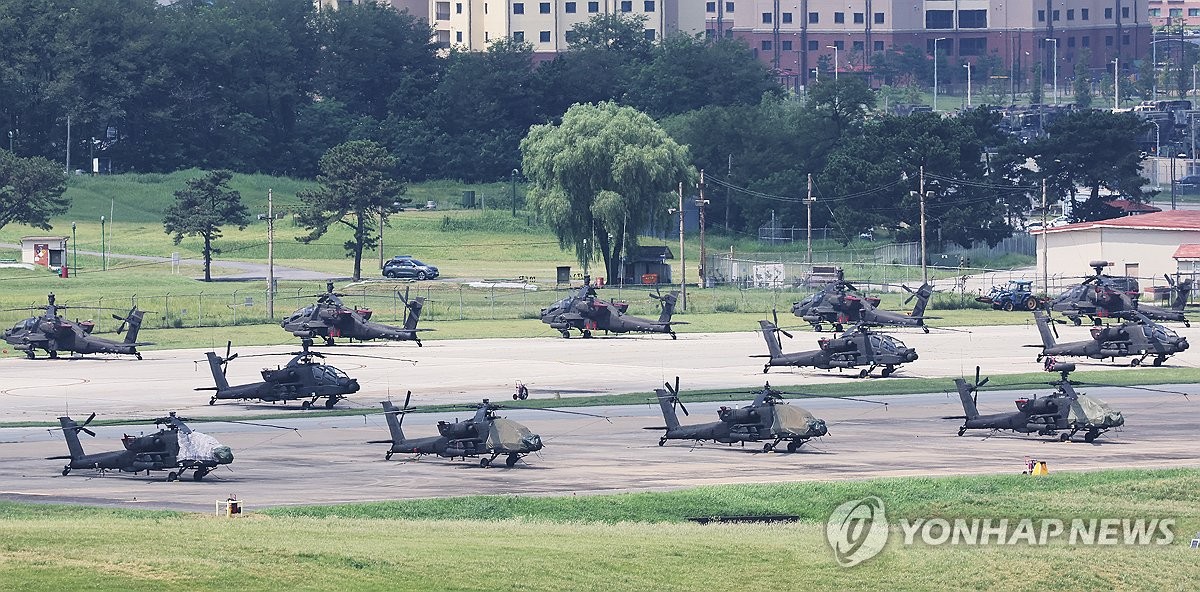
x=135, y=324
x=1043, y=325
x=923, y=293
x=668, y=307
x=968, y=403
x=214, y=364
x=666, y=402
x=414, y=313
x=392, y=415
x=769, y=332
x=71, y=433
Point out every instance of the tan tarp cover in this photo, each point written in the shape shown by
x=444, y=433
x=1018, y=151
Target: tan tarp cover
x=509, y=435
x=1090, y=410
x=792, y=420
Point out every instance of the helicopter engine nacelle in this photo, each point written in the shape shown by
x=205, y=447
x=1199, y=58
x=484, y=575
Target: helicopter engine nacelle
x=303, y=334
x=739, y=416
x=1042, y=406
x=457, y=430
x=143, y=443
x=839, y=345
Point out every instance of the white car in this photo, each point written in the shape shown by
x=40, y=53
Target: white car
x=1036, y=224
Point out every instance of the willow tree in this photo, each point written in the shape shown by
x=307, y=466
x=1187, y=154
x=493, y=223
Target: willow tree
x=600, y=176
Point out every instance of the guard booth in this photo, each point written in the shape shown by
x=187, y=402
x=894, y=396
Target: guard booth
x=648, y=265
x=47, y=251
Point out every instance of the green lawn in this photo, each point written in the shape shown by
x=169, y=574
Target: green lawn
x=610, y=542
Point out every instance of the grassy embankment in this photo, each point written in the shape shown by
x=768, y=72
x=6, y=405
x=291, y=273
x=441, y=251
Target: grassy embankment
x=626, y=541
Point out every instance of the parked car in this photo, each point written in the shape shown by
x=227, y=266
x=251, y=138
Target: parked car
x=1188, y=184
x=404, y=266
x=1036, y=223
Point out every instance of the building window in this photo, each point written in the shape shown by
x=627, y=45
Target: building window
x=840, y=45
x=544, y=8
x=1041, y=16
x=1083, y=14
x=593, y=7
x=787, y=18
x=879, y=18
x=649, y=34
x=648, y=6
x=786, y=45
x=857, y=46
x=1155, y=12
x=859, y=18
x=839, y=18
x=1124, y=39
x=442, y=11
x=1086, y=41
x=972, y=19
x=458, y=8
x=972, y=46
x=939, y=19
x=766, y=18
x=1124, y=12
x=1070, y=14
x=945, y=46
x=1108, y=14
x=813, y=45
x=518, y=36
x=1070, y=42
x=1176, y=12
x=1108, y=41
x=518, y=8
x=878, y=45
x=544, y=36
x=626, y=5
x=569, y=7
x=813, y=18
x=1194, y=12
x=1055, y=16
x=710, y=7
x=766, y=45
x=729, y=7
x=458, y=36
x=487, y=36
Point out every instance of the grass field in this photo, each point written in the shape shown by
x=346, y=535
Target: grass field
x=611, y=542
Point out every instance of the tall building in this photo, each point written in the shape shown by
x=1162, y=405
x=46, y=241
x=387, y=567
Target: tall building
x=793, y=35
x=546, y=24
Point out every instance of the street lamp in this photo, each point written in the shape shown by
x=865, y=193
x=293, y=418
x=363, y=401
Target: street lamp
x=1055, y=41
x=103, y=247
x=935, y=62
x=835, y=60
x=1116, y=83
x=515, y=172
x=968, y=67
x=74, y=250
x=1156, y=152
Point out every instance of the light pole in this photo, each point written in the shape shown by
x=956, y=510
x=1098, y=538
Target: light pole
x=514, y=192
x=1116, y=83
x=1156, y=152
x=74, y=250
x=103, y=249
x=1154, y=61
x=968, y=67
x=835, y=60
x=1055, y=41
x=935, y=68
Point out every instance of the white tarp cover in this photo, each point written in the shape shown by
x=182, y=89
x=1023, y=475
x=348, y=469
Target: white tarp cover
x=197, y=446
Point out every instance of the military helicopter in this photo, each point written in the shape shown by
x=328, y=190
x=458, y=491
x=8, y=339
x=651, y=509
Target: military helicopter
x=484, y=434
x=1139, y=337
x=768, y=418
x=175, y=448
x=586, y=312
x=1102, y=295
x=330, y=318
x=301, y=378
x=1065, y=412
x=856, y=347
x=54, y=334
x=838, y=304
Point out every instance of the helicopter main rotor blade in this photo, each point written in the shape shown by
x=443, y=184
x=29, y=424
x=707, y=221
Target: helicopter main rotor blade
x=604, y=417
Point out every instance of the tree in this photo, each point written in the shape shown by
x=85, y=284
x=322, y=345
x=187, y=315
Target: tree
x=1083, y=81
x=202, y=208
x=845, y=99
x=602, y=175
x=688, y=73
x=31, y=190
x=1035, y=91
x=357, y=180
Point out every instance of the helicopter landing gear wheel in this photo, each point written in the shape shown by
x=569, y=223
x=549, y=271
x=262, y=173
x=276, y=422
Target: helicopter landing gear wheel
x=137, y=355
x=387, y=455
x=887, y=371
x=172, y=476
x=863, y=373
x=768, y=447
x=199, y=474
x=566, y=334
x=512, y=459
x=53, y=354
x=925, y=329
x=306, y=405
x=212, y=401
x=962, y=430
x=1063, y=437
x=66, y=470
x=673, y=336
x=329, y=341
x=1078, y=321
x=330, y=402
x=587, y=334
x=29, y=353
x=419, y=344
x=1159, y=361
x=1135, y=362
x=1091, y=436
x=794, y=445
x=838, y=327
x=661, y=441
x=485, y=462
x=766, y=367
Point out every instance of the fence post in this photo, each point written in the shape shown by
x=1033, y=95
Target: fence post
x=166, y=310
x=460, y=302
x=493, y=298
x=235, y=306
x=200, y=307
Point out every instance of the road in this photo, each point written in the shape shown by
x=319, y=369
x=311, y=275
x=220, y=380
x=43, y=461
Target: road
x=237, y=270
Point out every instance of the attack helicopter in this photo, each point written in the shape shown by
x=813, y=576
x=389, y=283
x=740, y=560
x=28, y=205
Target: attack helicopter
x=1064, y=412
x=484, y=434
x=856, y=347
x=301, y=378
x=175, y=448
x=586, y=312
x=839, y=304
x=768, y=418
x=1138, y=337
x=1102, y=295
x=53, y=334
x=330, y=318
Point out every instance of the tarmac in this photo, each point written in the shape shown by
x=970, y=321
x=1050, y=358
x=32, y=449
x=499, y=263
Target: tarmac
x=327, y=460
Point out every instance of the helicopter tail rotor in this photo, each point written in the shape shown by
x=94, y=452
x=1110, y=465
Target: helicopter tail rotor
x=674, y=390
x=775, y=318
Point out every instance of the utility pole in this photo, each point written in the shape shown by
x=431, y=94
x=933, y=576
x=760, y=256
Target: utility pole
x=68, y=144
x=968, y=67
x=924, y=267
x=808, y=203
x=683, y=259
x=729, y=178
x=701, y=203
x=1045, y=261
x=1116, y=83
x=271, y=253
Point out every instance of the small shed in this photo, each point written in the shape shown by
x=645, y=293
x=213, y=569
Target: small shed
x=648, y=266
x=47, y=251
